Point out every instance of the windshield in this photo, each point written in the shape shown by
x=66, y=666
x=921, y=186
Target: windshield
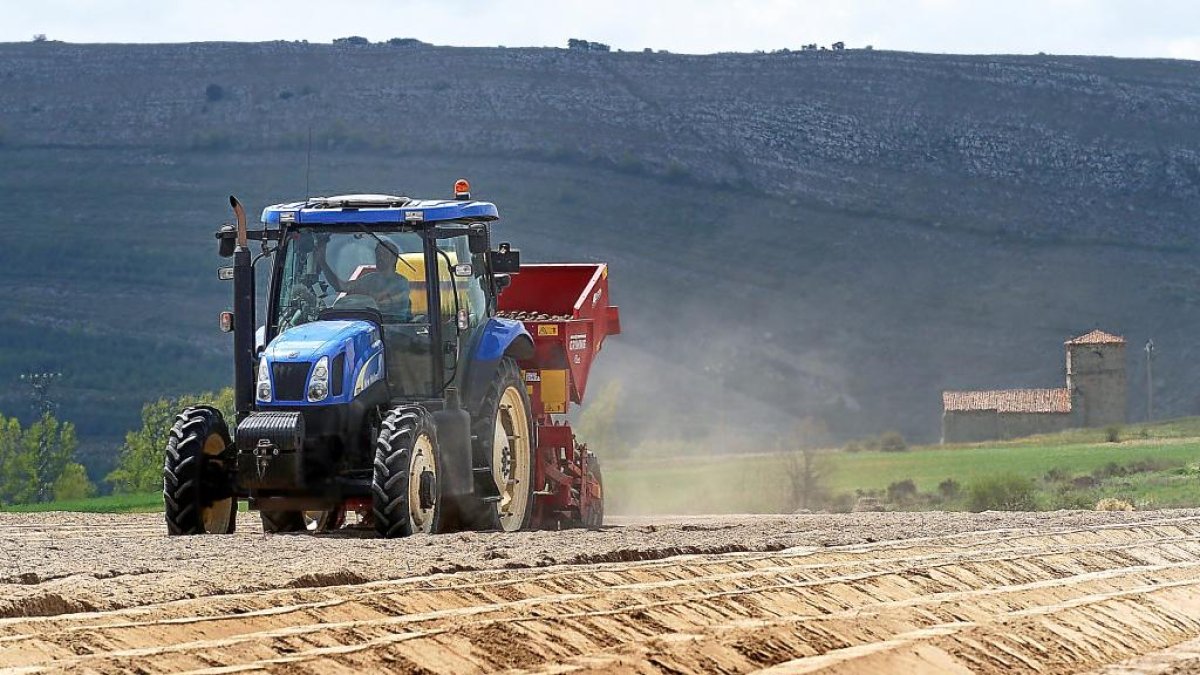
x=351, y=270
x=339, y=268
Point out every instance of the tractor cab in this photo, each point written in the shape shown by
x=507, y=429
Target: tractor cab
x=412, y=274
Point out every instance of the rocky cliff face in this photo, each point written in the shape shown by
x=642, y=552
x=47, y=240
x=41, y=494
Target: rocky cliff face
x=856, y=229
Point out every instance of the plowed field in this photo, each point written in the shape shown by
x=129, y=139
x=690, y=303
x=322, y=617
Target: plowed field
x=862, y=593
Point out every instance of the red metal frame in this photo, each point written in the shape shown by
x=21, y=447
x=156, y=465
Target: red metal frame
x=574, y=317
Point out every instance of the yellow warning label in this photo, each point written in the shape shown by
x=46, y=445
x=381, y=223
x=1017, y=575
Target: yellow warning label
x=548, y=329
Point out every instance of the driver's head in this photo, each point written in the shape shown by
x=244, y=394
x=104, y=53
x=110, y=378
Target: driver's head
x=386, y=257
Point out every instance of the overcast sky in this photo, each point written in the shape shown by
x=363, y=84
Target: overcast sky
x=1150, y=28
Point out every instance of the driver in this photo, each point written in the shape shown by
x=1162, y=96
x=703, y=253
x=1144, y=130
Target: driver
x=384, y=284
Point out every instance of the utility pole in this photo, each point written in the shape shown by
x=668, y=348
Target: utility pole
x=43, y=405
x=40, y=383
x=1150, y=380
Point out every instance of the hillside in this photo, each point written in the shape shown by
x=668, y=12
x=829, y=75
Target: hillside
x=838, y=235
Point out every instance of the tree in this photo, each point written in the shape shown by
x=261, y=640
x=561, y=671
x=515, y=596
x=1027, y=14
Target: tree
x=140, y=463
x=17, y=483
x=33, y=460
x=52, y=445
x=807, y=472
x=73, y=483
x=807, y=467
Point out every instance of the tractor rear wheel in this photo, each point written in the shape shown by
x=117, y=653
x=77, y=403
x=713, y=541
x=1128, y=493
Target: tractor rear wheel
x=506, y=427
x=406, y=491
x=198, y=483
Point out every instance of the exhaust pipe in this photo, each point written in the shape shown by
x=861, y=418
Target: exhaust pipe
x=243, y=317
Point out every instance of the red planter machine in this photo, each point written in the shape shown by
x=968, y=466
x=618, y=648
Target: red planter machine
x=565, y=307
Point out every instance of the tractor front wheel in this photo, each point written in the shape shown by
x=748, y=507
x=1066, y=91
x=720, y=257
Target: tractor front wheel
x=406, y=491
x=198, y=484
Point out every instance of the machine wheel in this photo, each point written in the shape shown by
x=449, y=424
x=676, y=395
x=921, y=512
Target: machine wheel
x=593, y=515
x=277, y=522
x=302, y=521
x=325, y=521
x=506, y=426
x=198, y=483
x=405, y=490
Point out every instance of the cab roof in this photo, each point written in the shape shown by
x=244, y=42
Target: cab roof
x=360, y=209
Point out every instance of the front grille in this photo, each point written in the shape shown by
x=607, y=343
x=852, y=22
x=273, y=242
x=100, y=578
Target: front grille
x=289, y=380
x=338, y=374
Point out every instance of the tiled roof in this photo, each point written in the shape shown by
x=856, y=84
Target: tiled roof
x=1097, y=337
x=1009, y=400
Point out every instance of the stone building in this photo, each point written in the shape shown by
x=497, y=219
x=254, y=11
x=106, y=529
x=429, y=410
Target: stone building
x=1095, y=396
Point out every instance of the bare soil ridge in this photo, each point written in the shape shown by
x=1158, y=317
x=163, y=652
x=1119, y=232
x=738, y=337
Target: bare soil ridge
x=991, y=592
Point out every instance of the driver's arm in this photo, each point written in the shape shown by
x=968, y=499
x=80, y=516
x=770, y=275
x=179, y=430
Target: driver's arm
x=323, y=265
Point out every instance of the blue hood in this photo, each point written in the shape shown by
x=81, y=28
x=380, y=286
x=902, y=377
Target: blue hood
x=310, y=341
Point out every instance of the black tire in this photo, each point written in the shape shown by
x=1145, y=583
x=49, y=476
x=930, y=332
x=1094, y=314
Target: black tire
x=277, y=522
x=479, y=515
x=198, y=474
x=593, y=517
x=407, y=465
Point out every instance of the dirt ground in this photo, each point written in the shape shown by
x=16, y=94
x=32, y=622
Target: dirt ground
x=858, y=593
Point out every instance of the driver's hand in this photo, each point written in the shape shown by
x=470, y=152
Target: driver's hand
x=302, y=295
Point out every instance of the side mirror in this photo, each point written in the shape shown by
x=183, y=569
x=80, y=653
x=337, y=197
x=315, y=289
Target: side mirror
x=227, y=237
x=477, y=240
x=503, y=281
x=505, y=260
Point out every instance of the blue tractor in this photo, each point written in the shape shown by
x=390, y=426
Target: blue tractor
x=380, y=381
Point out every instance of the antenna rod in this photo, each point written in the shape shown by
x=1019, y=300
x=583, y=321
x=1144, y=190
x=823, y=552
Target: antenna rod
x=308, y=166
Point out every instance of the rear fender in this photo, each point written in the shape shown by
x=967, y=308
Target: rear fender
x=497, y=339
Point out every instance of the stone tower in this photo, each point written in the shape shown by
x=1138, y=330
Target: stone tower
x=1096, y=378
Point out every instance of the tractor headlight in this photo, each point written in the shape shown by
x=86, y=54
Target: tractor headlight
x=264, y=381
x=318, y=384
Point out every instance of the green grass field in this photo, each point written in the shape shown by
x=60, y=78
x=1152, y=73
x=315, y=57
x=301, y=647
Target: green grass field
x=132, y=503
x=1169, y=451
x=761, y=483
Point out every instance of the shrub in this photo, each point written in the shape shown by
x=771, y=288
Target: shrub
x=1113, y=504
x=214, y=93
x=843, y=502
x=892, y=441
x=1056, y=475
x=1112, y=434
x=852, y=447
x=1110, y=470
x=1004, y=492
x=902, y=491
x=73, y=484
x=1067, y=497
x=949, y=489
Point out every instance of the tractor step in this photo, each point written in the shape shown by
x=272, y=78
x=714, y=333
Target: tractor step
x=485, y=485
